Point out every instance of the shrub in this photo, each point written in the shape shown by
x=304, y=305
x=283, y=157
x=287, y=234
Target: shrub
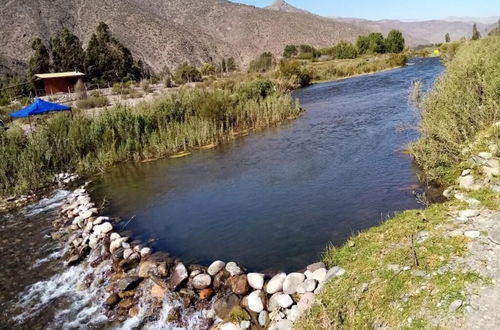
x=263, y=63
x=256, y=89
x=209, y=69
x=344, y=50
x=290, y=51
x=93, y=102
x=395, y=43
x=187, y=73
x=464, y=101
x=293, y=71
x=146, y=86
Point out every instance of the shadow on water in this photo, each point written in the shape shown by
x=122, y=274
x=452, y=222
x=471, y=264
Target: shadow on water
x=273, y=200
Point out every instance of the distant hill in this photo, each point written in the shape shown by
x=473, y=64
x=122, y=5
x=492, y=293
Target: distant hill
x=162, y=32
x=282, y=5
x=421, y=32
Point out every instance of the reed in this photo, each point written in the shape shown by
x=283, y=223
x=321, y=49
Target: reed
x=189, y=119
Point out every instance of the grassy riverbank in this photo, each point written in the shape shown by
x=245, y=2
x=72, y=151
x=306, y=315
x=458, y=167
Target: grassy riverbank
x=401, y=274
x=188, y=119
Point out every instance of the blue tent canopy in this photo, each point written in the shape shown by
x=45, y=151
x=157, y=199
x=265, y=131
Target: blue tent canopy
x=39, y=107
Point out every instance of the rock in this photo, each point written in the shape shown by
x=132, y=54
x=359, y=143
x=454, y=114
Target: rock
x=233, y=269
x=256, y=280
x=206, y=294
x=466, y=172
x=319, y=275
x=133, y=312
x=468, y=183
x=335, y=272
x=491, y=168
x=485, y=155
x=307, y=286
x=224, y=305
x=448, y=193
x=496, y=188
x=282, y=325
x=114, y=236
x=216, y=267
x=245, y=324
x=422, y=236
x=494, y=236
x=100, y=220
x=314, y=267
x=272, y=303
x=112, y=300
x=293, y=313
x=306, y=301
x=468, y=213
x=179, y=275
x=292, y=281
x=455, y=305
x=116, y=244
x=145, y=252
x=472, y=234
x=308, y=274
x=255, y=303
x=229, y=326
x=104, y=228
x=221, y=280
x=239, y=284
x=158, y=291
x=127, y=253
x=276, y=283
x=263, y=319
x=201, y=281
x=128, y=283
x=285, y=301
x=419, y=273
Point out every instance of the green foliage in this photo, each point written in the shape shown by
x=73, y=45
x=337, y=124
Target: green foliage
x=93, y=102
x=290, y=51
x=475, y=33
x=293, y=71
x=186, y=73
x=372, y=43
x=106, y=59
x=464, y=101
x=39, y=61
x=231, y=65
x=344, y=50
x=263, y=63
x=67, y=52
x=447, y=38
x=256, y=89
x=184, y=120
x=395, y=42
x=208, y=69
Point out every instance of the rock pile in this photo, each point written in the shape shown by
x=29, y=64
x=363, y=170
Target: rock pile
x=233, y=298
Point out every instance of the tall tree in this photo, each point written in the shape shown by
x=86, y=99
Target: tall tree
x=290, y=51
x=67, y=52
x=395, y=42
x=223, y=66
x=447, y=38
x=39, y=61
x=231, y=64
x=475, y=33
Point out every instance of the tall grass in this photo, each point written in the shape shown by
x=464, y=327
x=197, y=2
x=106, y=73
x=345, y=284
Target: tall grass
x=464, y=101
x=188, y=119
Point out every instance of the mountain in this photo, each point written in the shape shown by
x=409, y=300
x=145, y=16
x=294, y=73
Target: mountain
x=166, y=32
x=420, y=32
x=281, y=5
x=482, y=20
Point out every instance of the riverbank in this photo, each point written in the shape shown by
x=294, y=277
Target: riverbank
x=436, y=267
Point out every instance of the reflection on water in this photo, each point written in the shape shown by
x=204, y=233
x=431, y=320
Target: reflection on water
x=274, y=199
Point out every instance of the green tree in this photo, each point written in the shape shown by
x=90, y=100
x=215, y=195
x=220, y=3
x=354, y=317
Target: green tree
x=186, y=73
x=290, y=51
x=208, y=69
x=39, y=61
x=377, y=43
x=395, y=42
x=475, y=33
x=344, y=50
x=223, y=66
x=292, y=70
x=106, y=59
x=263, y=63
x=231, y=64
x=363, y=44
x=447, y=38
x=67, y=52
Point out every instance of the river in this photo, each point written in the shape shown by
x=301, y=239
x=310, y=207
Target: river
x=275, y=199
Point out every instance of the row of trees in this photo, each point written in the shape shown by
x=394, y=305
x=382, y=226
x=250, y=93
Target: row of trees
x=105, y=59
x=369, y=44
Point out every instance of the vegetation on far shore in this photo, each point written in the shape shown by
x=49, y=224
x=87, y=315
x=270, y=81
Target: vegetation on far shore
x=377, y=291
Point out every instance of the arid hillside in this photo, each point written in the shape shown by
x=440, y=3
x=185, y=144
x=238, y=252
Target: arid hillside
x=166, y=32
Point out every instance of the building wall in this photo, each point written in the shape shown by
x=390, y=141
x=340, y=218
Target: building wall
x=59, y=85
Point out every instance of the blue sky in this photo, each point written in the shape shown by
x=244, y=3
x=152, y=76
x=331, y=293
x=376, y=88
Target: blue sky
x=397, y=9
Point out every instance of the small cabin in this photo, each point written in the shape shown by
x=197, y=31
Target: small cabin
x=59, y=82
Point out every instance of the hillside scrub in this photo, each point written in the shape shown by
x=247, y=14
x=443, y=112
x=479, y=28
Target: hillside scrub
x=189, y=119
x=464, y=101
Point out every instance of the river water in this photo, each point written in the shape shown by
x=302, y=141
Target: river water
x=275, y=199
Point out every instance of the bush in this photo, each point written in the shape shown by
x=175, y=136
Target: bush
x=293, y=71
x=263, y=63
x=395, y=43
x=464, y=101
x=344, y=50
x=146, y=86
x=209, y=69
x=187, y=73
x=256, y=89
x=93, y=102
